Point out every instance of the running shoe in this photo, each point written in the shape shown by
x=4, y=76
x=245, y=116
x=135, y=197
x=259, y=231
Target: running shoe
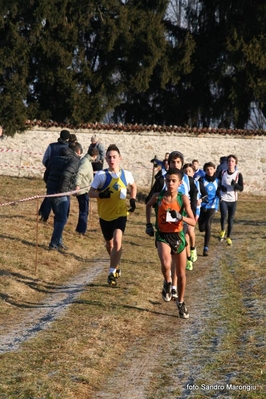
x=183, y=312
x=189, y=265
x=228, y=241
x=166, y=292
x=117, y=273
x=205, y=251
x=112, y=279
x=222, y=235
x=193, y=255
x=174, y=294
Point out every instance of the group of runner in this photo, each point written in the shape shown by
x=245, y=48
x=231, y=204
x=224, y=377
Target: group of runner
x=181, y=196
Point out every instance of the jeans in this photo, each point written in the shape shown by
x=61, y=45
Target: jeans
x=60, y=207
x=83, y=201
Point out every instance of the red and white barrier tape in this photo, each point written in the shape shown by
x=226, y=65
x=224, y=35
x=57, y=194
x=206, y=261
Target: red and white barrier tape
x=42, y=196
x=19, y=150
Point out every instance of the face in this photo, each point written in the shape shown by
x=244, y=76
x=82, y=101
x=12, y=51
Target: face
x=176, y=163
x=172, y=183
x=210, y=171
x=195, y=165
x=113, y=159
x=231, y=163
x=189, y=171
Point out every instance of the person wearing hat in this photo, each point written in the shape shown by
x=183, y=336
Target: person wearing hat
x=98, y=163
x=51, y=151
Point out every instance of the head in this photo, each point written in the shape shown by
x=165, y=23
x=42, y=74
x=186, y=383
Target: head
x=232, y=162
x=93, y=152
x=76, y=147
x=94, y=139
x=166, y=156
x=173, y=179
x=188, y=169
x=73, y=138
x=165, y=164
x=65, y=135
x=209, y=168
x=113, y=157
x=176, y=160
x=195, y=164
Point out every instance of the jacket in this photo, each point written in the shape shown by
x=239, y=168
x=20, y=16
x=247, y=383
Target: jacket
x=84, y=176
x=62, y=172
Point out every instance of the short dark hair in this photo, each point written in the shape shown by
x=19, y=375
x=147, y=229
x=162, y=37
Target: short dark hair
x=175, y=171
x=174, y=155
x=75, y=146
x=208, y=165
x=232, y=156
x=113, y=147
x=93, y=151
x=187, y=165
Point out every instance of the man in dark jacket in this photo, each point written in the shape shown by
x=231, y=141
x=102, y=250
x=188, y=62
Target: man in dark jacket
x=51, y=151
x=61, y=174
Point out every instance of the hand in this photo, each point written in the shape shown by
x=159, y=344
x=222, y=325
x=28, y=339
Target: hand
x=132, y=202
x=149, y=229
x=105, y=194
x=176, y=215
x=224, y=189
x=233, y=183
x=205, y=199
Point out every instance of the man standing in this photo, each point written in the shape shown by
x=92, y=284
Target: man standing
x=98, y=163
x=61, y=174
x=110, y=188
x=52, y=150
x=83, y=181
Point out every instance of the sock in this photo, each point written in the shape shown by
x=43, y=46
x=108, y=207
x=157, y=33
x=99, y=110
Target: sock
x=112, y=270
x=192, y=248
x=189, y=258
x=174, y=287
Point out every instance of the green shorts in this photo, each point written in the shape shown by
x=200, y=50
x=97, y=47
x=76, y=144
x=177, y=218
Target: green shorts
x=176, y=241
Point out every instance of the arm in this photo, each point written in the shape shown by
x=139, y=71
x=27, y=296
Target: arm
x=101, y=151
x=46, y=156
x=189, y=219
x=239, y=185
x=193, y=195
x=149, y=206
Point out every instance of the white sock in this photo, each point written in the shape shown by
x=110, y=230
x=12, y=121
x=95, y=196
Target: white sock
x=112, y=270
x=174, y=287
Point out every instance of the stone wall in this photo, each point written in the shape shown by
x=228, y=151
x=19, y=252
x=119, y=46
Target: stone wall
x=21, y=155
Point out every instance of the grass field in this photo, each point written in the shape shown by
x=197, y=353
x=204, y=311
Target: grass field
x=125, y=342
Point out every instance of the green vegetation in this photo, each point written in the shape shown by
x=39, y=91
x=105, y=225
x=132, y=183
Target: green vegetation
x=76, y=62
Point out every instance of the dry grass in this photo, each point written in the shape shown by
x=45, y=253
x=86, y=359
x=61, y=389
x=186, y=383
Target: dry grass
x=125, y=341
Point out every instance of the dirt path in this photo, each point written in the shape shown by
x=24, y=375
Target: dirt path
x=47, y=311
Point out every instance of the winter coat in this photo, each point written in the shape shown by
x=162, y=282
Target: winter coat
x=84, y=176
x=62, y=172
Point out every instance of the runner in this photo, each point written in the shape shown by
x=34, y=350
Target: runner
x=171, y=209
x=110, y=188
x=231, y=181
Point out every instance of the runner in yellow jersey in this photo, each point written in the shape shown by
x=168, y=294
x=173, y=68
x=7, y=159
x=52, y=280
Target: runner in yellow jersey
x=110, y=188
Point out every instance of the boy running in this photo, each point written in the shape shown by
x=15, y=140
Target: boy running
x=110, y=188
x=171, y=208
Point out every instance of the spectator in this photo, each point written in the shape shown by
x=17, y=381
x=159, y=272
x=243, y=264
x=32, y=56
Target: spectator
x=98, y=163
x=52, y=150
x=61, y=176
x=83, y=180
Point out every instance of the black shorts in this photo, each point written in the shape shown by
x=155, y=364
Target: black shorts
x=108, y=227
